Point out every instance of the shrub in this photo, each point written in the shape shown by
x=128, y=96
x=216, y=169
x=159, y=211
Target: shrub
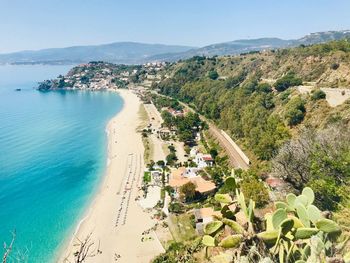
x=172, y=148
x=327, y=194
x=171, y=158
x=253, y=189
x=161, y=163
x=287, y=81
x=176, y=207
x=294, y=116
x=318, y=95
x=264, y=87
x=285, y=96
x=214, y=153
x=335, y=66
x=295, y=110
x=213, y=75
x=187, y=149
x=169, y=189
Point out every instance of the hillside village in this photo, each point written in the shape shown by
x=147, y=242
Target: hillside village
x=102, y=76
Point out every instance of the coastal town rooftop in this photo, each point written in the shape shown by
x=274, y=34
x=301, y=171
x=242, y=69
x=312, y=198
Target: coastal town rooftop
x=178, y=178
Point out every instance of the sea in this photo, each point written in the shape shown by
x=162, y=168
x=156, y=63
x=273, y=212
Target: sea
x=53, y=155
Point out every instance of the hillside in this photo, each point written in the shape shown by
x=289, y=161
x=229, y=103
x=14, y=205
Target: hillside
x=238, y=91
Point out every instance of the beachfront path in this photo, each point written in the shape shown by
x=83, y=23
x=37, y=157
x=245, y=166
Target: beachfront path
x=115, y=219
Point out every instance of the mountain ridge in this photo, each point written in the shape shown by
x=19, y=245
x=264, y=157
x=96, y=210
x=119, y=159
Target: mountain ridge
x=138, y=53
x=248, y=45
x=118, y=52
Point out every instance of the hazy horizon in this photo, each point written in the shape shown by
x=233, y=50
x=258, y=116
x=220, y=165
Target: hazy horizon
x=156, y=43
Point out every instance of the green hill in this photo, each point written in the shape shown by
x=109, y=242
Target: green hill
x=252, y=96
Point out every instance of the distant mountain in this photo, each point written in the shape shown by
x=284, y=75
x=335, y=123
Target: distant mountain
x=248, y=45
x=120, y=52
x=138, y=53
x=227, y=48
x=321, y=37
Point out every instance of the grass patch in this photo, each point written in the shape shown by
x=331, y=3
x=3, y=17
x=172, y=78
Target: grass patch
x=181, y=227
x=148, y=152
x=143, y=116
x=147, y=177
x=147, y=144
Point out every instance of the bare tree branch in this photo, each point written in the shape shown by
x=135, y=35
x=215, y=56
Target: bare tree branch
x=85, y=249
x=8, y=248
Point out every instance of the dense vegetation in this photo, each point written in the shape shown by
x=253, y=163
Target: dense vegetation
x=252, y=97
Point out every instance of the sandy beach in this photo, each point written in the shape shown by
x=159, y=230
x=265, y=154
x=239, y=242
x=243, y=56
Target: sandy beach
x=115, y=219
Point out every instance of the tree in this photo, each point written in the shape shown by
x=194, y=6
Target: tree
x=264, y=87
x=161, y=163
x=188, y=191
x=213, y=152
x=213, y=74
x=171, y=158
x=172, y=148
x=150, y=165
x=295, y=111
x=216, y=174
x=186, y=136
x=85, y=249
x=168, y=119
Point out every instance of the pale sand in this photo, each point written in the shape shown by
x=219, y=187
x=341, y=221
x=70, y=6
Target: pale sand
x=125, y=151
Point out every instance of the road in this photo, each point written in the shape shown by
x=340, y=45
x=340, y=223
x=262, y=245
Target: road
x=334, y=96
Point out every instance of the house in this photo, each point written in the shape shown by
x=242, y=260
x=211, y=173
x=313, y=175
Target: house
x=203, y=186
x=182, y=176
x=177, y=179
x=176, y=113
x=204, y=216
x=157, y=176
x=203, y=160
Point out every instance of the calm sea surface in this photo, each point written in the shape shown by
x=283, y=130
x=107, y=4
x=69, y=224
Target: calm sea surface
x=52, y=158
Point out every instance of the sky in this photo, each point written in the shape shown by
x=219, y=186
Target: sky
x=38, y=24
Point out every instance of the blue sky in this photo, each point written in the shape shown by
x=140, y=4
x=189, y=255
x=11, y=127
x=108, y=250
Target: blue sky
x=37, y=24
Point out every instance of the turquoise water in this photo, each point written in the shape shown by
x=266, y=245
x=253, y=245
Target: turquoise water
x=52, y=158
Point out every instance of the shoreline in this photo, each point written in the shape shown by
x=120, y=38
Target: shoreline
x=113, y=216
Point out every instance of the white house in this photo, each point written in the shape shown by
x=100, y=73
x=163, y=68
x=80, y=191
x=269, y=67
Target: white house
x=157, y=176
x=203, y=160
